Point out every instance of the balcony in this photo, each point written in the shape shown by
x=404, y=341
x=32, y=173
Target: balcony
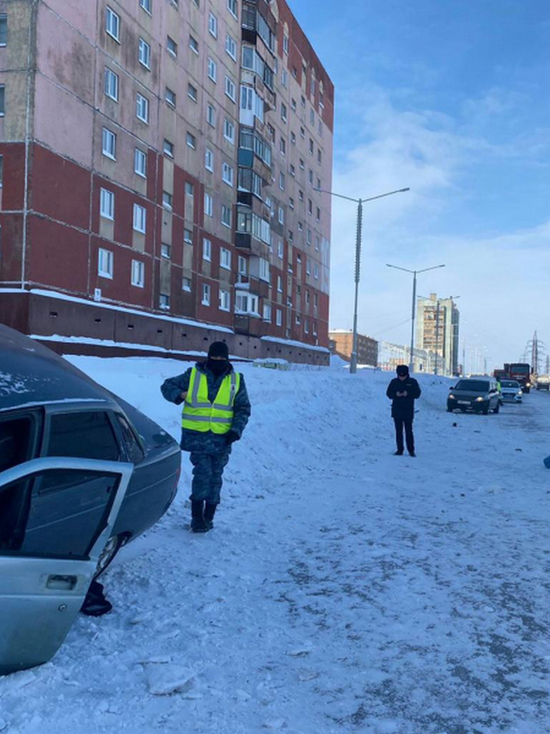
x=249, y=325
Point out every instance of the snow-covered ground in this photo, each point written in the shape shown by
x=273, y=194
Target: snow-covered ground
x=343, y=589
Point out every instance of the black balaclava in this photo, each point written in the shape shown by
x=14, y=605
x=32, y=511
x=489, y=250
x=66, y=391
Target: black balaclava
x=218, y=366
x=402, y=370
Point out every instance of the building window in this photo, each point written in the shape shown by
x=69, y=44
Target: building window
x=171, y=46
x=230, y=89
x=280, y=250
x=168, y=148
x=147, y=5
x=140, y=218
x=164, y=301
x=3, y=29
x=285, y=44
x=279, y=317
x=267, y=312
x=186, y=284
x=282, y=181
x=225, y=301
x=189, y=189
x=282, y=146
x=167, y=200
x=242, y=268
x=107, y=204
x=229, y=131
x=319, y=157
x=232, y=7
x=105, y=262
x=165, y=250
x=205, y=294
x=207, y=250
x=281, y=215
x=208, y=206
x=227, y=174
x=187, y=236
x=192, y=92
x=210, y=115
x=284, y=112
x=284, y=78
x=138, y=273
x=225, y=258
x=108, y=144
x=193, y=44
x=111, y=84
x=246, y=303
x=170, y=97
x=208, y=159
x=144, y=53
x=316, y=271
x=142, y=108
x=264, y=270
x=191, y=140
x=293, y=138
x=213, y=25
x=226, y=215
x=212, y=69
x=231, y=46
x=112, y=23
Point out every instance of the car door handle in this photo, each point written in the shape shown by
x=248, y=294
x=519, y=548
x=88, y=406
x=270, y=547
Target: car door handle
x=65, y=583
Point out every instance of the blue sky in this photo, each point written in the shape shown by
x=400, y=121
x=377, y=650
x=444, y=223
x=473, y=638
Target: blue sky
x=451, y=98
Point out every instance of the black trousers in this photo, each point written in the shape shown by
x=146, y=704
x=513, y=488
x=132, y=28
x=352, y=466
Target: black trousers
x=407, y=423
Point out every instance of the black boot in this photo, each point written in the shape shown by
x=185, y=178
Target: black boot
x=198, y=524
x=209, y=512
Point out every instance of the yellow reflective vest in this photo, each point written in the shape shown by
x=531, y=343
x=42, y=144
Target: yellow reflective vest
x=199, y=414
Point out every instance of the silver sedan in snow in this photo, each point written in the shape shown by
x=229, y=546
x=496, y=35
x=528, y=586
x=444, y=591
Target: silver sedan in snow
x=510, y=391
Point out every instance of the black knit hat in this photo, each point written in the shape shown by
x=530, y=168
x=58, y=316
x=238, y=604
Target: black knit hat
x=402, y=370
x=218, y=349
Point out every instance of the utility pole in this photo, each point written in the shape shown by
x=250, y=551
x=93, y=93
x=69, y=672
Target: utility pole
x=535, y=354
x=547, y=371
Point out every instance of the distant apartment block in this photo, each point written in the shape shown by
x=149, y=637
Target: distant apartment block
x=342, y=344
x=437, y=331
x=159, y=162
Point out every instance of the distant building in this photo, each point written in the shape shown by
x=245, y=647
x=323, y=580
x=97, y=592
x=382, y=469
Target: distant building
x=341, y=343
x=390, y=355
x=437, y=330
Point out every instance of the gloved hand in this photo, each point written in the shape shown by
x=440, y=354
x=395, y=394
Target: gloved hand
x=231, y=437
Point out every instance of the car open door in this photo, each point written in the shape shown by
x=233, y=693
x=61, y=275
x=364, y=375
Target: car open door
x=46, y=567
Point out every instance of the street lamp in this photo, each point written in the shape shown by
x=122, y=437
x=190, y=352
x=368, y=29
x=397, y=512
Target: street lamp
x=359, y=202
x=414, y=273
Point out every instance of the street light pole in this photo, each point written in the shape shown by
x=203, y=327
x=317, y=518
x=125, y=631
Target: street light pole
x=414, y=274
x=358, y=243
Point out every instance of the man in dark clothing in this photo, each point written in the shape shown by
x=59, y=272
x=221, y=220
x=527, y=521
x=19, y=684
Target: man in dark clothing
x=215, y=413
x=403, y=390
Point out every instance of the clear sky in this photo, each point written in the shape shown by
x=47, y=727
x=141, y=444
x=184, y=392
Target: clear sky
x=451, y=98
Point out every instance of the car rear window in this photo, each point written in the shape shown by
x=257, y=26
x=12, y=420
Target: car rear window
x=84, y=435
x=473, y=385
x=15, y=441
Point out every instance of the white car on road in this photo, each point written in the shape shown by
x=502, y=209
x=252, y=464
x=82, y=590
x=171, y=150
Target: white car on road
x=510, y=391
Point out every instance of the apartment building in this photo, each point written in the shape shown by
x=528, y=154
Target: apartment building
x=341, y=343
x=437, y=331
x=160, y=167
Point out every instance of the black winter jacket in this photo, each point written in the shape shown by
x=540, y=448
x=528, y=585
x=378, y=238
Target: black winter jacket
x=208, y=443
x=403, y=407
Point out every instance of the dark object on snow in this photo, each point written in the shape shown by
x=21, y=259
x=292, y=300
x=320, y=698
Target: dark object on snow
x=403, y=391
x=95, y=603
x=398, y=453
x=209, y=512
x=198, y=525
x=455, y=425
x=547, y=462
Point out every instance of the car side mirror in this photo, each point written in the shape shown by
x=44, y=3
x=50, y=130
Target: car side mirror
x=451, y=388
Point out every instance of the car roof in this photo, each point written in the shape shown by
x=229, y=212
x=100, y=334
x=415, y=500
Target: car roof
x=32, y=374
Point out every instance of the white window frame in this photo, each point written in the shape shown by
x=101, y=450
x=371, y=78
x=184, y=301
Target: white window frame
x=108, y=143
x=211, y=114
x=172, y=51
x=228, y=174
x=229, y=131
x=147, y=5
x=264, y=270
x=188, y=236
x=225, y=258
x=107, y=204
x=112, y=23
x=186, y=284
x=193, y=44
x=144, y=53
x=230, y=89
x=111, y=84
x=138, y=274
x=226, y=220
x=231, y=46
x=165, y=250
x=164, y=301
x=224, y=300
x=140, y=162
x=192, y=92
x=267, y=312
x=279, y=317
x=232, y=7
x=191, y=140
x=168, y=148
x=212, y=70
x=207, y=249
x=279, y=284
x=105, y=263
x=142, y=108
x=139, y=219
x=170, y=97
x=213, y=24
x=206, y=294
x=209, y=159
x=167, y=200
x=208, y=205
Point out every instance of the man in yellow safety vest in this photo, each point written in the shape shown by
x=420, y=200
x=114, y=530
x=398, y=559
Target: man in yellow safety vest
x=216, y=409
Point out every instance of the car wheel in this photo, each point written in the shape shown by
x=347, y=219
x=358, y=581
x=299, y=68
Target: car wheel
x=112, y=547
x=449, y=409
x=485, y=410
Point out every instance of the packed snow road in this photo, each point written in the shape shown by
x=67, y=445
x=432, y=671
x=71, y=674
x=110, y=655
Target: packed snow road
x=343, y=589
